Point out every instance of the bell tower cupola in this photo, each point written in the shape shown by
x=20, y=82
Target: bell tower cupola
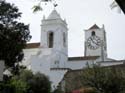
x=54, y=35
x=54, y=31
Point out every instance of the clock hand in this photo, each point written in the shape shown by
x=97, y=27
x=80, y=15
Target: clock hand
x=94, y=41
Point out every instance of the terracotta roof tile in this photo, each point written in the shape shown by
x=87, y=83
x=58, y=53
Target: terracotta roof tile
x=83, y=58
x=32, y=45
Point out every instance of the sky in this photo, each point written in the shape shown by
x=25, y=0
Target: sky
x=79, y=15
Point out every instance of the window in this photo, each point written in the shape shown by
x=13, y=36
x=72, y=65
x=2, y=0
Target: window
x=56, y=62
x=93, y=33
x=50, y=40
x=64, y=40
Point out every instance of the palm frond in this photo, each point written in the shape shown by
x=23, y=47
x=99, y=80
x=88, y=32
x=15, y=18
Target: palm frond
x=36, y=8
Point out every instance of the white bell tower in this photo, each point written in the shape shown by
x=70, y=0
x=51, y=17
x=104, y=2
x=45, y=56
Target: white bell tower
x=95, y=42
x=54, y=39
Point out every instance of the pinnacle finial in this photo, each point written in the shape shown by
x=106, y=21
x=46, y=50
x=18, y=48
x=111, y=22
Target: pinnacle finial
x=103, y=26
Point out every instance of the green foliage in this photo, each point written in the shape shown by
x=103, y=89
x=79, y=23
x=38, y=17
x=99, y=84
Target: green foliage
x=104, y=79
x=38, y=7
x=19, y=86
x=26, y=82
x=13, y=34
x=37, y=83
x=58, y=90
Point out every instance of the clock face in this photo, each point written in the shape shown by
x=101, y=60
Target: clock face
x=93, y=42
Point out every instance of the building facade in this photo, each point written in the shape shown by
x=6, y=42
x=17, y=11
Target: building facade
x=50, y=55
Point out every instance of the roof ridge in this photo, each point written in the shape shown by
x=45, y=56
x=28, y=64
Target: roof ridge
x=94, y=27
x=83, y=58
x=54, y=15
x=32, y=45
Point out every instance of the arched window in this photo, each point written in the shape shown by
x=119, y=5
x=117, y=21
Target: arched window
x=93, y=33
x=50, y=40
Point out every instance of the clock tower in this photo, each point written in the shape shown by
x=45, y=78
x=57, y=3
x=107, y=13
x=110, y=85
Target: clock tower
x=95, y=42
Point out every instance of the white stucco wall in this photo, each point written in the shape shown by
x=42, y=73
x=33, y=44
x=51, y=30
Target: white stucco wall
x=40, y=64
x=27, y=55
x=43, y=65
x=74, y=65
x=57, y=28
x=56, y=76
x=100, y=59
x=110, y=63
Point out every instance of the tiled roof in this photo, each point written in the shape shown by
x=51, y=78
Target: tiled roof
x=60, y=68
x=83, y=58
x=94, y=27
x=32, y=45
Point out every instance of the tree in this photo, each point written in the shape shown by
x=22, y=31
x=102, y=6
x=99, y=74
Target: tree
x=18, y=86
x=58, y=90
x=38, y=7
x=26, y=82
x=13, y=35
x=40, y=84
x=37, y=83
x=104, y=79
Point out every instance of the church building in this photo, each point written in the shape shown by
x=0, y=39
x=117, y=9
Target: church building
x=50, y=55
